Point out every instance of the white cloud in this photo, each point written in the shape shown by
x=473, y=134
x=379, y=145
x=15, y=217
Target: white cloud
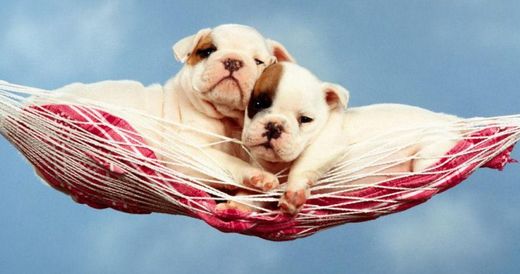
x=53, y=46
x=308, y=43
x=498, y=36
x=481, y=27
x=485, y=35
x=149, y=243
x=449, y=232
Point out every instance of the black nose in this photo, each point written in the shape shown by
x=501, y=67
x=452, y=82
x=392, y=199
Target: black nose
x=273, y=131
x=232, y=64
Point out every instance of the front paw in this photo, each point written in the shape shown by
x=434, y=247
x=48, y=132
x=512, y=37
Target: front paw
x=243, y=208
x=293, y=200
x=261, y=180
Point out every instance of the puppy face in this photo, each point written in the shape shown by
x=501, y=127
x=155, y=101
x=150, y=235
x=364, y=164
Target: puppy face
x=289, y=107
x=222, y=64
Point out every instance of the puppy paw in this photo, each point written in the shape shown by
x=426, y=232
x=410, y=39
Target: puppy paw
x=293, y=200
x=233, y=205
x=261, y=180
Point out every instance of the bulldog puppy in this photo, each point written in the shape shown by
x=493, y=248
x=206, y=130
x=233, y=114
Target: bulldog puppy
x=295, y=120
x=212, y=90
x=206, y=98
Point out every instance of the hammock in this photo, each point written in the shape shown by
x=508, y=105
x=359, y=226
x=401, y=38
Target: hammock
x=85, y=151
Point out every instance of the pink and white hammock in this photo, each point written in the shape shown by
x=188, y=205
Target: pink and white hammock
x=100, y=160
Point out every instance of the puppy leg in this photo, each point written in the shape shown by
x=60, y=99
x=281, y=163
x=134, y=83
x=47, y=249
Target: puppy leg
x=296, y=193
x=308, y=169
x=318, y=158
x=244, y=172
x=244, y=206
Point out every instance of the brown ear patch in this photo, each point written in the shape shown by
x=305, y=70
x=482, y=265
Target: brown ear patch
x=206, y=43
x=265, y=89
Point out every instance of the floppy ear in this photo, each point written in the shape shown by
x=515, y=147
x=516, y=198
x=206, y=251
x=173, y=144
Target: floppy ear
x=184, y=47
x=336, y=96
x=279, y=51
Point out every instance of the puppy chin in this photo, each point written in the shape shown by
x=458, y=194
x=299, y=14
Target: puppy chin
x=265, y=154
x=287, y=154
x=227, y=92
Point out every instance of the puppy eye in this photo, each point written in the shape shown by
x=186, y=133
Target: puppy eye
x=259, y=62
x=205, y=53
x=304, y=119
x=262, y=102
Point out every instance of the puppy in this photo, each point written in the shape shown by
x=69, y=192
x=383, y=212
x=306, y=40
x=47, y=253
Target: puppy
x=209, y=94
x=295, y=120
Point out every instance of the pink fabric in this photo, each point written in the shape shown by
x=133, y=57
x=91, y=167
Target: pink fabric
x=109, y=131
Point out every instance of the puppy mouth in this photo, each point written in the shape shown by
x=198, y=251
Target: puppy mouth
x=266, y=146
x=267, y=152
x=226, y=78
x=264, y=142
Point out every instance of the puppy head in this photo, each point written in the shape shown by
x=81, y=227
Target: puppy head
x=222, y=64
x=289, y=107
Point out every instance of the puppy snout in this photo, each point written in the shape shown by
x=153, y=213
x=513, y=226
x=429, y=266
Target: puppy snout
x=273, y=130
x=232, y=64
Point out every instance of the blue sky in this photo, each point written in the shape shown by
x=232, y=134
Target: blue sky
x=461, y=58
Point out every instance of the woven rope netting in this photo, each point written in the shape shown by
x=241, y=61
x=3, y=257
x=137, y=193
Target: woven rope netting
x=82, y=148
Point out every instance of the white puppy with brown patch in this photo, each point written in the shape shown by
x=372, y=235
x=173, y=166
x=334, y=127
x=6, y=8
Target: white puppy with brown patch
x=295, y=120
x=209, y=94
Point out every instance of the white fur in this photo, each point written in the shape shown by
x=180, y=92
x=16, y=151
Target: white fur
x=317, y=146
x=192, y=98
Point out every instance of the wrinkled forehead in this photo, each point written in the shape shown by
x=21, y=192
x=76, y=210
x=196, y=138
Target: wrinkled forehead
x=286, y=87
x=239, y=37
x=297, y=86
x=299, y=81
